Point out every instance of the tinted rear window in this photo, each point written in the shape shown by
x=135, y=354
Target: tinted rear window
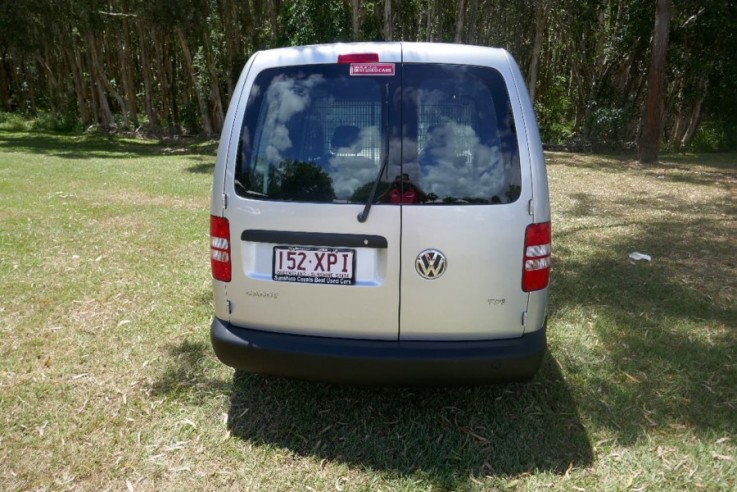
x=317, y=134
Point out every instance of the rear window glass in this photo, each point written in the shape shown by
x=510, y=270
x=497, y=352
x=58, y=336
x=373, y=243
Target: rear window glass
x=311, y=134
x=463, y=132
x=442, y=134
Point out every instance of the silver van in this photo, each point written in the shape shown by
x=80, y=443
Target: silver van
x=380, y=214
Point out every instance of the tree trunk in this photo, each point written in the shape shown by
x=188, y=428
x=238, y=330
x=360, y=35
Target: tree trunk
x=105, y=113
x=74, y=63
x=273, y=6
x=4, y=83
x=576, y=92
x=693, y=124
x=356, y=19
x=215, y=94
x=51, y=82
x=31, y=98
x=99, y=75
x=388, y=33
x=473, y=13
x=201, y=102
x=430, y=20
x=689, y=118
x=170, y=65
x=459, y=21
x=253, y=28
x=541, y=15
x=234, y=48
x=164, y=78
x=153, y=118
x=652, y=118
x=127, y=70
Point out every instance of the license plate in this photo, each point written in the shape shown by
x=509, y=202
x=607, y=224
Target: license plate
x=331, y=266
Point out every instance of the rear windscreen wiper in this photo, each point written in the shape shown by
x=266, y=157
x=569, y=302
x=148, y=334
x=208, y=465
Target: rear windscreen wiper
x=246, y=191
x=363, y=216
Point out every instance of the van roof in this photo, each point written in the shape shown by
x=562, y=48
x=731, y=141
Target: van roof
x=391, y=52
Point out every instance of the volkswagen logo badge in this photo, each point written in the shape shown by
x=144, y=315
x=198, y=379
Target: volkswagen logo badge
x=430, y=264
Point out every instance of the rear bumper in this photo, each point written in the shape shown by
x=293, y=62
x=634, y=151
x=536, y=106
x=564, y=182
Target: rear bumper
x=342, y=360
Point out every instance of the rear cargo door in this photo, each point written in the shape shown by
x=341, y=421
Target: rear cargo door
x=462, y=243
x=313, y=140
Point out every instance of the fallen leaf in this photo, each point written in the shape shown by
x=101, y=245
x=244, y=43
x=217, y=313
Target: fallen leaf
x=631, y=377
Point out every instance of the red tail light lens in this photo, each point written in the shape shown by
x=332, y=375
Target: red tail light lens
x=220, y=248
x=359, y=58
x=536, y=262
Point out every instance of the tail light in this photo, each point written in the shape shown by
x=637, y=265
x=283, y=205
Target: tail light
x=220, y=248
x=536, y=262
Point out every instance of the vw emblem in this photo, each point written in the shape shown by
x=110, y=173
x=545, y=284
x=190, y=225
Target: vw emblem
x=430, y=264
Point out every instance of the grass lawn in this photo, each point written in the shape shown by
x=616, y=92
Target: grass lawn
x=108, y=381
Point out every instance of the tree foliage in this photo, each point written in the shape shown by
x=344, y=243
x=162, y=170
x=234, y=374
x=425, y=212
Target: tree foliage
x=172, y=66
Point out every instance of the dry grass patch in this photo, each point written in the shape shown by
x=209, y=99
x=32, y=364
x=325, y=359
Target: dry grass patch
x=148, y=200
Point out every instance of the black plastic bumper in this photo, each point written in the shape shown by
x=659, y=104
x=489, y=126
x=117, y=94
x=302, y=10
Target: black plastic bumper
x=343, y=360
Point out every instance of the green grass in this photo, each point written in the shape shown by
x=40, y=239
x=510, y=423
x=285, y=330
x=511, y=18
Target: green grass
x=108, y=381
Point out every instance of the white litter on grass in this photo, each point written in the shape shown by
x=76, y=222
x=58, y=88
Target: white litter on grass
x=636, y=256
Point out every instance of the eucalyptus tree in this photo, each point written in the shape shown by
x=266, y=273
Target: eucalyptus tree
x=159, y=64
x=652, y=117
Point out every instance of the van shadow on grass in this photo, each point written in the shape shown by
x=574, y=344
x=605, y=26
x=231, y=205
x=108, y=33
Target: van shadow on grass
x=185, y=374
x=440, y=435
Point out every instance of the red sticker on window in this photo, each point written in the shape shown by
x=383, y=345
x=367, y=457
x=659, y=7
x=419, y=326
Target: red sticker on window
x=372, y=69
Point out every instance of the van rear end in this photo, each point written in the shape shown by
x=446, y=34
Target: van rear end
x=380, y=213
